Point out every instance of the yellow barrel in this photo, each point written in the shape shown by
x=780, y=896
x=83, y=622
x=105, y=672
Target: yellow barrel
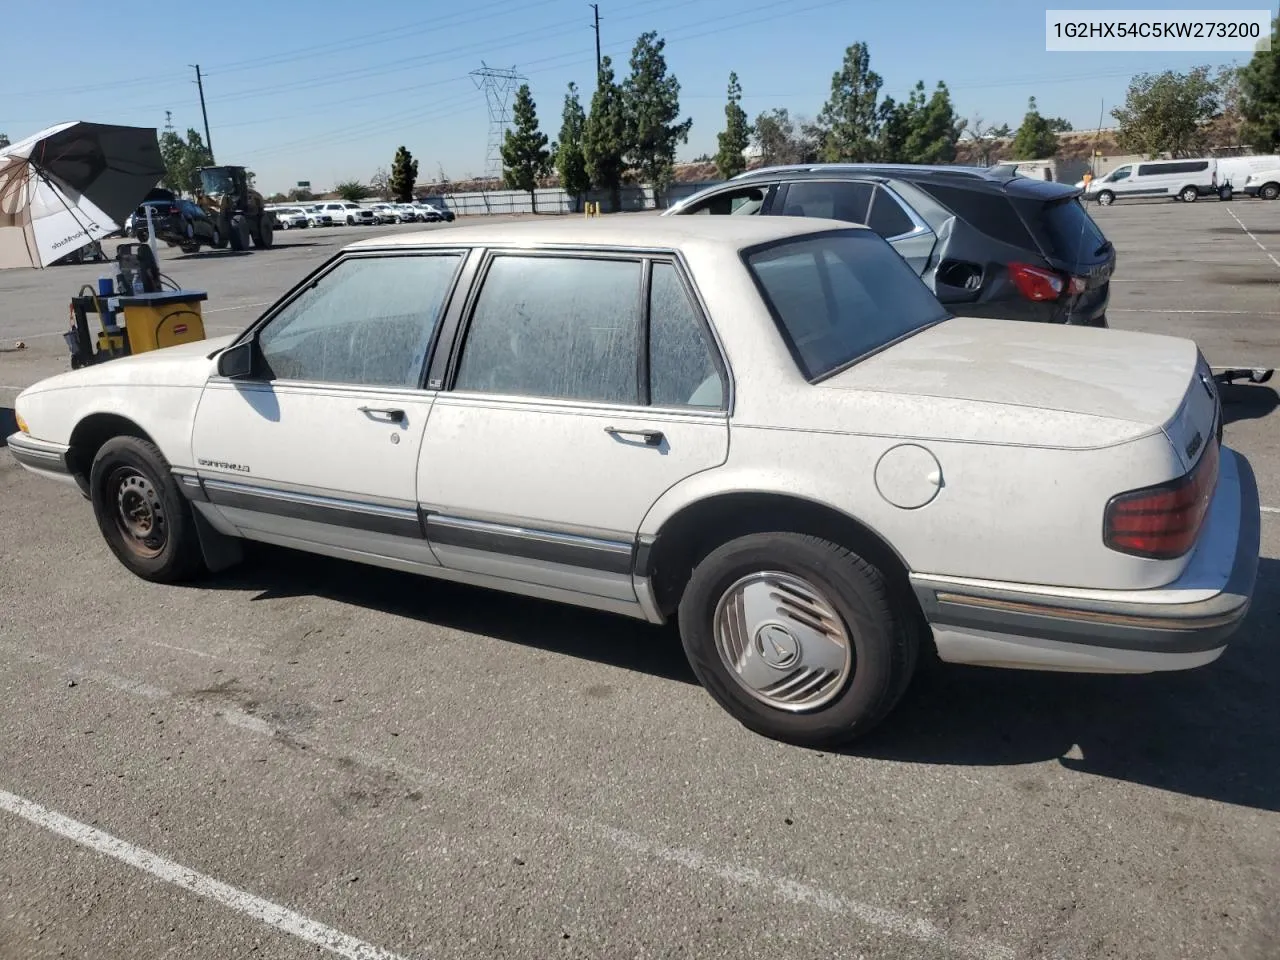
x=156, y=320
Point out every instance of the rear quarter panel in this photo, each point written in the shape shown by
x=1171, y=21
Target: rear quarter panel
x=1013, y=514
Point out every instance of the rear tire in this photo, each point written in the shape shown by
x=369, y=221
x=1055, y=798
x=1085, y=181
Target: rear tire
x=1269, y=191
x=142, y=514
x=747, y=622
x=264, y=234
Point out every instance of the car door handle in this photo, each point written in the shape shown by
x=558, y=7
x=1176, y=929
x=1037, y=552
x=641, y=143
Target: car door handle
x=652, y=438
x=394, y=414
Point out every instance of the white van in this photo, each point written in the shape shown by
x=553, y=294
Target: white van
x=1185, y=180
x=1264, y=184
x=1236, y=171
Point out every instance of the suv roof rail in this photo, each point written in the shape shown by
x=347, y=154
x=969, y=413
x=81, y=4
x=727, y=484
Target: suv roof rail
x=917, y=169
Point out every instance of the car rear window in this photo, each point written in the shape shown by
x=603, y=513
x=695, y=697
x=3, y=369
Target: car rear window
x=987, y=212
x=1066, y=230
x=840, y=296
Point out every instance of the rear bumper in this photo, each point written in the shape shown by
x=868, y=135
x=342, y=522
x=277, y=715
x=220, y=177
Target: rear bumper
x=1181, y=625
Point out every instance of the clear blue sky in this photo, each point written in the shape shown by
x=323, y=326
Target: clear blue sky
x=327, y=90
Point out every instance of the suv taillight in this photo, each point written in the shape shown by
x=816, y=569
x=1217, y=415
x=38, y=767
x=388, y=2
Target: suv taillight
x=1162, y=522
x=1036, y=283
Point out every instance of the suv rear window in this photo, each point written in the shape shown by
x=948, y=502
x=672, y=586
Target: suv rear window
x=987, y=212
x=840, y=296
x=1066, y=230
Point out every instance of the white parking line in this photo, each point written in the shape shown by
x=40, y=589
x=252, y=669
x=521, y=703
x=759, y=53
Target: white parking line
x=264, y=911
x=45, y=334
x=1253, y=238
x=1270, y=509
x=785, y=889
x=1235, y=313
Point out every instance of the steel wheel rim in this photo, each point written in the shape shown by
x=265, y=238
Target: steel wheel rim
x=139, y=513
x=783, y=641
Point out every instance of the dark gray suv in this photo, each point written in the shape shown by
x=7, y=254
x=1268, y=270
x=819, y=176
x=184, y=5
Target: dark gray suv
x=987, y=242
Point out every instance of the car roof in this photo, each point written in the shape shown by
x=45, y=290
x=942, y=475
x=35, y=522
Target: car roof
x=999, y=173
x=617, y=230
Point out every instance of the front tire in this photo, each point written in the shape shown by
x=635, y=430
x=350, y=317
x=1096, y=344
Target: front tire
x=142, y=514
x=1189, y=195
x=796, y=637
x=1106, y=198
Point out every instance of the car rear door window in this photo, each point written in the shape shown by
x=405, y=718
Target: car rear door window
x=986, y=211
x=840, y=296
x=1066, y=230
x=887, y=217
x=832, y=199
x=556, y=327
x=683, y=371
x=367, y=321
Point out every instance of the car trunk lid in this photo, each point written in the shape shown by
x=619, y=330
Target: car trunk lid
x=1160, y=382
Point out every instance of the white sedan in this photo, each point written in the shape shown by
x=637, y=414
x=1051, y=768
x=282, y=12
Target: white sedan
x=765, y=429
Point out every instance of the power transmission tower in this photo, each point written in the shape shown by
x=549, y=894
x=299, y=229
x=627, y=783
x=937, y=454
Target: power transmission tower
x=498, y=85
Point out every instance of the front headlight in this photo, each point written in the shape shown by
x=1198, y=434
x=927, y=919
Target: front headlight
x=22, y=424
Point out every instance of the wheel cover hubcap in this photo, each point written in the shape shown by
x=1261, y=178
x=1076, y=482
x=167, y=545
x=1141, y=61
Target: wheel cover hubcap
x=783, y=642
x=139, y=513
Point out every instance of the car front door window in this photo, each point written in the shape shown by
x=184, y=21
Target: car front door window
x=747, y=201
x=368, y=321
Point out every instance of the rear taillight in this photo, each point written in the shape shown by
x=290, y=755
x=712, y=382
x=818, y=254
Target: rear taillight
x=1036, y=283
x=1162, y=522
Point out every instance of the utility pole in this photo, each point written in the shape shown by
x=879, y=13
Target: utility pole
x=596, y=8
x=208, y=140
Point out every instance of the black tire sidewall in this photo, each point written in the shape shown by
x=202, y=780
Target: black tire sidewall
x=859, y=594
x=181, y=554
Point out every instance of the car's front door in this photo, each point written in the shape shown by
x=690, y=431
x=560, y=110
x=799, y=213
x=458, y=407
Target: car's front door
x=319, y=445
x=585, y=385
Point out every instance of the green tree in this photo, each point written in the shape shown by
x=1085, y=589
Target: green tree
x=1059, y=124
x=934, y=128
x=571, y=164
x=525, y=157
x=849, y=119
x=784, y=140
x=351, y=190
x=404, y=175
x=1167, y=112
x=301, y=195
x=1259, y=95
x=4, y=140
x=736, y=135
x=1034, y=140
x=895, y=122
x=182, y=158
x=604, y=138
x=651, y=104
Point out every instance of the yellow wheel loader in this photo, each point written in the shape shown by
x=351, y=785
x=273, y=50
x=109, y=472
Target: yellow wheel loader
x=236, y=208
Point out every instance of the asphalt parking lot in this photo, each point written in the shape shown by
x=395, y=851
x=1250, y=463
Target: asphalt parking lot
x=303, y=752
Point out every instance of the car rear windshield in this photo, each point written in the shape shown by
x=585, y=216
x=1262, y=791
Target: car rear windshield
x=1066, y=230
x=840, y=296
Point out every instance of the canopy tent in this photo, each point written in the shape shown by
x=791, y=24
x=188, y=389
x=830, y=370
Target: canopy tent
x=70, y=185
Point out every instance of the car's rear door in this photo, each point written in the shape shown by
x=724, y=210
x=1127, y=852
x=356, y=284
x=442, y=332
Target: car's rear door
x=584, y=384
x=865, y=203
x=319, y=446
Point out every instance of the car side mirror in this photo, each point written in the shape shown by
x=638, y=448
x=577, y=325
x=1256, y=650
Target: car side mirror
x=236, y=362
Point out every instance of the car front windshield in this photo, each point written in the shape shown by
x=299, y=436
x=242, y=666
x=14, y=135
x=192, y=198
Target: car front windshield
x=840, y=296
